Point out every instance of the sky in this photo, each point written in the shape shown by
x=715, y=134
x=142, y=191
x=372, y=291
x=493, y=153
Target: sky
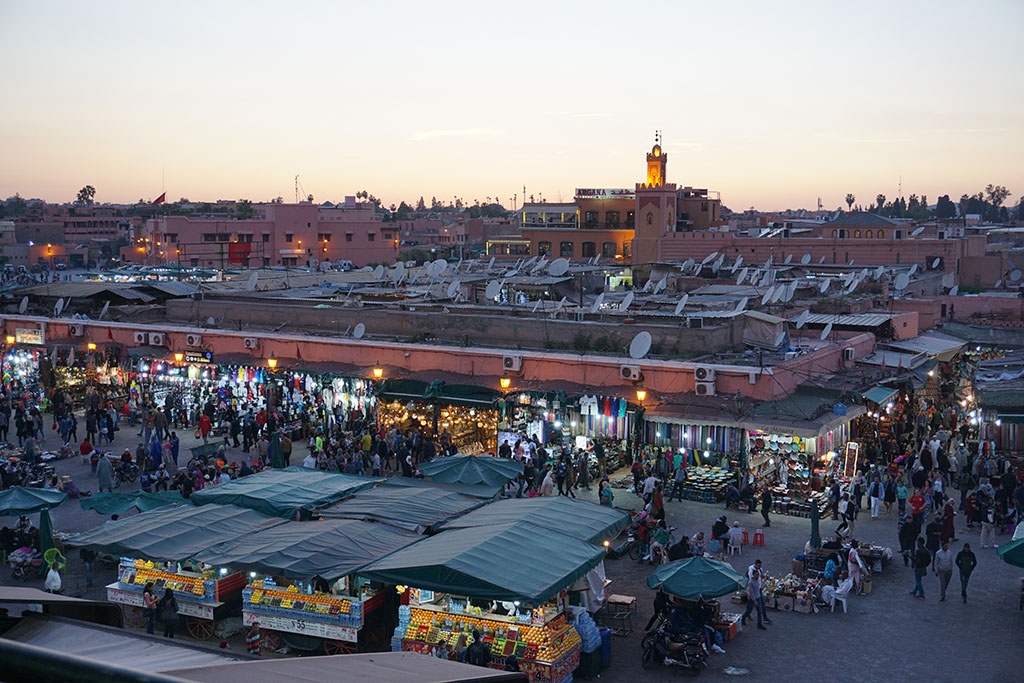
x=771, y=104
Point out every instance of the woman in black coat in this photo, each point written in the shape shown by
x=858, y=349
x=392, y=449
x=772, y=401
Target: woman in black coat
x=766, y=505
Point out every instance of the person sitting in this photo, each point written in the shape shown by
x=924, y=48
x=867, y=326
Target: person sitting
x=735, y=535
x=720, y=529
x=680, y=550
x=830, y=569
x=659, y=539
x=828, y=593
x=732, y=496
x=698, y=545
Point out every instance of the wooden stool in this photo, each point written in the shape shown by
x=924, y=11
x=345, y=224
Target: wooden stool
x=759, y=537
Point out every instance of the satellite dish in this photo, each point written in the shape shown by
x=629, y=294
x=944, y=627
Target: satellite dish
x=378, y=272
x=742, y=305
x=648, y=285
x=879, y=272
x=766, y=297
x=780, y=340
x=103, y=312
x=597, y=303
x=827, y=331
x=530, y=261
x=687, y=264
x=640, y=345
x=250, y=285
x=459, y=264
x=768, y=263
x=536, y=306
x=935, y=263
x=660, y=284
x=709, y=258
x=626, y=301
x=821, y=260
x=956, y=288
x=742, y=277
x=490, y=264
x=805, y=259
x=851, y=262
x=58, y=307
x=739, y=260
x=558, y=267
x=801, y=319
x=718, y=264
x=999, y=283
x=359, y=331
x=453, y=289
x=917, y=231
x=539, y=265
x=777, y=294
x=398, y=272
x=23, y=306
x=901, y=282
x=682, y=304
x=440, y=265
x=824, y=286
x=210, y=321
x=913, y=269
x=561, y=305
x=493, y=289
x=1015, y=275
x=789, y=257
x=788, y=292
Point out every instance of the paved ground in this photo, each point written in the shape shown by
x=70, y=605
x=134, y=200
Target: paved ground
x=887, y=634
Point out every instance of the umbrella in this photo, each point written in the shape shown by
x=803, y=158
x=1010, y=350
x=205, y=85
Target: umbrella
x=697, y=577
x=815, y=533
x=45, y=531
x=19, y=500
x=276, y=454
x=472, y=469
x=107, y=503
x=1013, y=552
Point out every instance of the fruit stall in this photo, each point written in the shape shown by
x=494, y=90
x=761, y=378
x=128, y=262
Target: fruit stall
x=508, y=580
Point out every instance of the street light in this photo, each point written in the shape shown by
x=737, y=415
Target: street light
x=505, y=382
x=271, y=362
x=641, y=394
x=10, y=339
x=179, y=357
x=91, y=346
x=378, y=372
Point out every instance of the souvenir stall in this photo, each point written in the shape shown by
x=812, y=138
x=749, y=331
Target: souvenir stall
x=460, y=580
x=465, y=413
x=302, y=589
x=528, y=414
x=158, y=546
x=75, y=369
x=703, y=443
x=23, y=368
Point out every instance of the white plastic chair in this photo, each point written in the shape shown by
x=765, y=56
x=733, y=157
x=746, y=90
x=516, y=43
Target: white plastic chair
x=735, y=544
x=840, y=596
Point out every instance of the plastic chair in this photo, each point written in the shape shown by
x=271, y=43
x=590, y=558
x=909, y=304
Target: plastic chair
x=840, y=596
x=53, y=556
x=736, y=545
x=759, y=538
x=746, y=538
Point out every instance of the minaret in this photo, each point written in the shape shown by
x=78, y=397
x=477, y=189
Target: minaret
x=656, y=162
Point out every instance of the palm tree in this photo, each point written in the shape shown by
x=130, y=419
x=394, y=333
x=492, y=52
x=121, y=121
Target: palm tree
x=850, y=199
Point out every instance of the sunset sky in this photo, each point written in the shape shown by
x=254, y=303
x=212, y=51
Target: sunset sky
x=771, y=104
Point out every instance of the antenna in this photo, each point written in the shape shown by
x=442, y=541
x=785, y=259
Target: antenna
x=296, y=188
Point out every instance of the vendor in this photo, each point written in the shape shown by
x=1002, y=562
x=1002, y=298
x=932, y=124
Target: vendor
x=720, y=529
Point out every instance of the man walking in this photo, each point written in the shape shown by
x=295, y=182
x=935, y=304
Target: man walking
x=922, y=558
x=944, y=569
x=965, y=562
x=755, y=600
x=678, y=479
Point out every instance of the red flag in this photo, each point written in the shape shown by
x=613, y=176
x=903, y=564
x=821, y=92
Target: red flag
x=298, y=352
x=110, y=333
x=161, y=199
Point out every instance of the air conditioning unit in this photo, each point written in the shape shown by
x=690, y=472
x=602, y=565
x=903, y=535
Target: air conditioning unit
x=157, y=339
x=193, y=340
x=703, y=374
x=141, y=338
x=705, y=388
x=848, y=353
x=76, y=330
x=630, y=372
x=512, y=363
x=252, y=343
x=789, y=355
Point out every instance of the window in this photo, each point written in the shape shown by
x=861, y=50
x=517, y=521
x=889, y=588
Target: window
x=348, y=237
x=371, y=237
x=590, y=219
x=867, y=234
x=288, y=237
x=245, y=238
x=650, y=219
x=881, y=234
x=266, y=237
x=856, y=233
x=835, y=234
x=629, y=219
x=565, y=249
x=842, y=234
x=704, y=207
x=266, y=262
x=323, y=237
x=588, y=249
x=627, y=249
x=612, y=220
x=171, y=236
x=209, y=237
x=608, y=250
x=899, y=234
x=543, y=248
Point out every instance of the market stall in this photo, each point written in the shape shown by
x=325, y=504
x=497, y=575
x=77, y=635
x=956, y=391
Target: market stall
x=507, y=580
x=699, y=578
x=157, y=546
x=292, y=493
x=472, y=470
x=577, y=518
x=420, y=510
x=108, y=503
x=482, y=491
x=302, y=588
x=463, y=414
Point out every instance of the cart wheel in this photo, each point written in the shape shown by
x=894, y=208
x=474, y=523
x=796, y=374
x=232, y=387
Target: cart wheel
x=134, y=616
x=339, y=647
x=200, y=629
x=271, y=640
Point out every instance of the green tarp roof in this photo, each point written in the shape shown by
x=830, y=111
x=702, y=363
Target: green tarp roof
x=21, y=500
x=472, y=469
x=474, y=491
x=697, y=577
x=507, y=562
x=302, y=550
x=879, y=395
x=576, y=518
x=107, y=503
x=173, y=532
x=283, y=494
x=413, y=509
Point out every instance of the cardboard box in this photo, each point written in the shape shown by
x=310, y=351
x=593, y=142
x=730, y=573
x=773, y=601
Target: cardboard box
x=798, y=568
x=728, y=631
x=866, y=585
x=803, y=605
x=785, y=602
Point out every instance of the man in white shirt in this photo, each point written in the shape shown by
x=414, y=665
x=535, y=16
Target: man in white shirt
x=943, y=568
x=309, y=461
x=649, y=484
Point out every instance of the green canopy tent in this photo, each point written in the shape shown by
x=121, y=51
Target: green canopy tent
x=418, y=510
x=697, y=577
x=509, y=562
x=472, y=469
x=276, y=454
x=21, y=500
x=302, y=550
x=483, y=491
x=107, y=503
x=174, y=532
x=576, y=518
x=815, y=525
x=289, y=494
x=1013, y=552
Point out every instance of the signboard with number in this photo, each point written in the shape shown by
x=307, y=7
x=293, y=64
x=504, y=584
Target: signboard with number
x=191, y=609
x=198, y=357
x=303, y=626
x=24, y=335
x=850, y=459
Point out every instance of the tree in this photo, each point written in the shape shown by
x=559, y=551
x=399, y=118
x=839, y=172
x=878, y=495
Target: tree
x=945, y=208
x=245, y=209
x=87, y=193
x=997, y=194
x=880, y=199
x=850, y=199
x=1020, y=211
x=420, y=205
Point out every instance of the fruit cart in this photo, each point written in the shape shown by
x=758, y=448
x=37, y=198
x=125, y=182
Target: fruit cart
x=204, y=597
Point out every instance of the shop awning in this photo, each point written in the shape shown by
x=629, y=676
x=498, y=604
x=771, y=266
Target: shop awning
x=284, y=493
x=417, y=509
x=474, y=491
x=577, y=518
x=302, y=550
x=1010, y=418
x=472, y=469
x=174, y=532
x=880, y=395
x=454, y=394
x=107, y=503
x=800, y=414
x=932, y=343
x=516, y=561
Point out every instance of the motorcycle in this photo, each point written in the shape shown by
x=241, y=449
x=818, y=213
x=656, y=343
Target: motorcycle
x=127, y=471
x=685, y=649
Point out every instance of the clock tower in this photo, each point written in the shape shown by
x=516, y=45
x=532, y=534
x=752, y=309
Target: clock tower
x=656, y=162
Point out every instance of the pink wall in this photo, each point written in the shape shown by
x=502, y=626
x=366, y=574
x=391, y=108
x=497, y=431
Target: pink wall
x=1007, y=311
x=929, y=311
x=399, y=359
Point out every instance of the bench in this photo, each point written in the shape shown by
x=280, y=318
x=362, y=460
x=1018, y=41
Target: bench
x=617, y=614
x=205, y=450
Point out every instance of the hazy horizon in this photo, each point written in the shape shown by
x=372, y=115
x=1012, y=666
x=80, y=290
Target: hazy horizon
x=770, y=105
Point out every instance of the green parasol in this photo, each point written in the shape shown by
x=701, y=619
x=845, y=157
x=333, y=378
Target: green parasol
x=697, y=577
x=276, y=454
x=815, y=532
x=1013, y=552
x=472, y=470
x=45, y=531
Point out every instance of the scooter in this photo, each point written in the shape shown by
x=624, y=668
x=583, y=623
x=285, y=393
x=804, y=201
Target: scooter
x=685, y=650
